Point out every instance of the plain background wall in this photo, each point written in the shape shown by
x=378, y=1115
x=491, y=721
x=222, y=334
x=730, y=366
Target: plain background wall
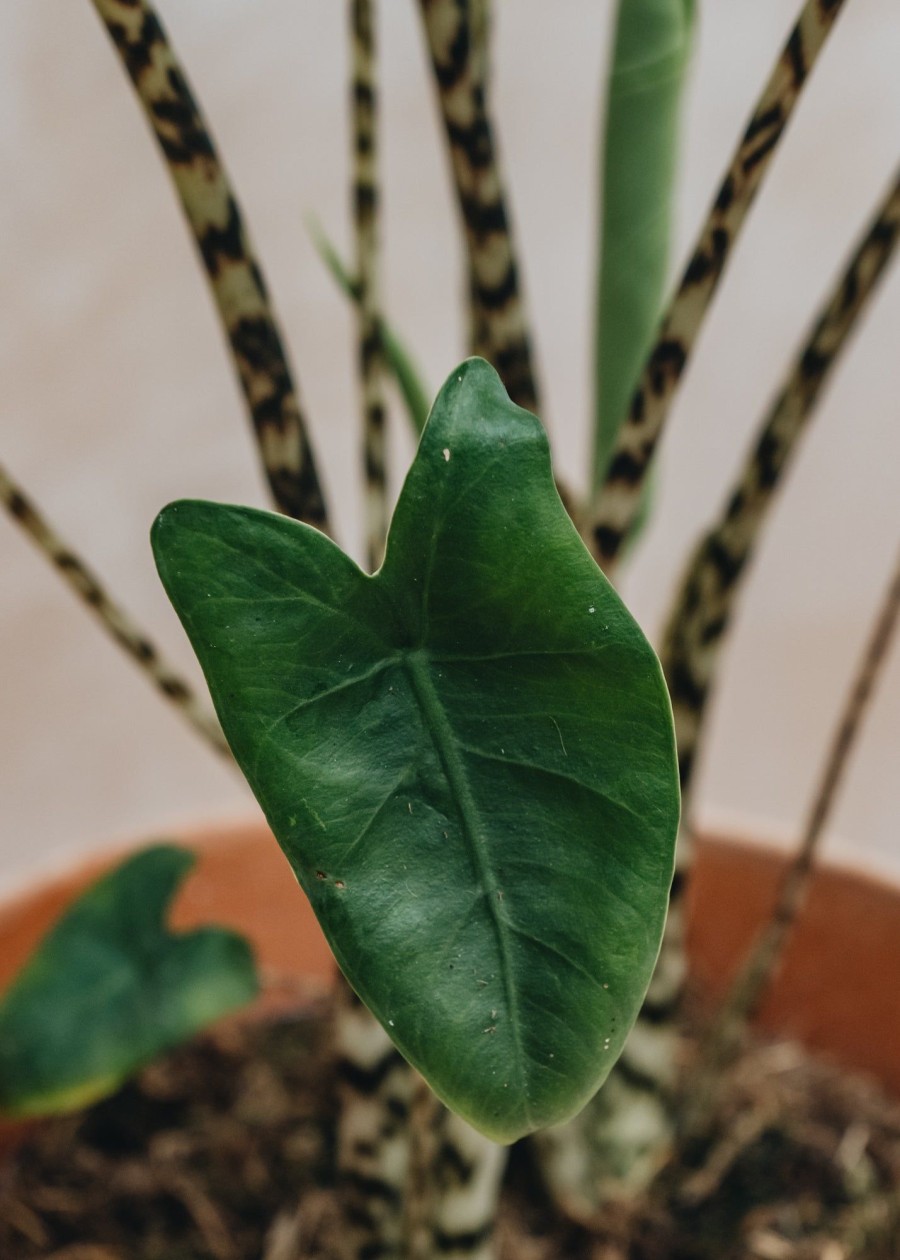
x=118, y=396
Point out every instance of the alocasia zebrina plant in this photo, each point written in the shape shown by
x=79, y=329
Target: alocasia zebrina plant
x=468, y=757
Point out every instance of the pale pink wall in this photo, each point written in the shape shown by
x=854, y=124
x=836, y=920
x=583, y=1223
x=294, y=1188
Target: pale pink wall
x=117, y=395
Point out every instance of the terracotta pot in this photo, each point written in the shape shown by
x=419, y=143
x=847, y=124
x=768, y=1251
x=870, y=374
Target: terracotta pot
x=835, y=992
x=837, y=989
x=241, y=880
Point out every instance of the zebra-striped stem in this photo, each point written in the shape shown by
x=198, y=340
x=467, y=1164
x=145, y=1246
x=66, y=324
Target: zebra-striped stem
x=414, y=1180
x=640, y=1102
x=421, y=1191
x=762, y=961
x=707, y=594
x=397, y=358
x=459, y=63
x=466, y=1174
x=481, y=46
x=231, y=267
x=620, y=1140
x=452, y=1194
x=114, y=620
x=366, y=195
x=617, y=503
x=375, y=1095
x=375, y=1085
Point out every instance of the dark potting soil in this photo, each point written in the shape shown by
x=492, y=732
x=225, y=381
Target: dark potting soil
x=222, y=1151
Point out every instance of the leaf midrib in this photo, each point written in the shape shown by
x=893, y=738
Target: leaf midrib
x=439, y=728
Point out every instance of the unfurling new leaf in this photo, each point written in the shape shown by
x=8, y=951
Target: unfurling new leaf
x=649, y=70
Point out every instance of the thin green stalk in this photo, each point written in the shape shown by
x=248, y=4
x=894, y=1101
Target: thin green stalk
x=399, y=360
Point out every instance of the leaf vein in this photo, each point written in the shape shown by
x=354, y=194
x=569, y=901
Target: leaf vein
x=437, y=724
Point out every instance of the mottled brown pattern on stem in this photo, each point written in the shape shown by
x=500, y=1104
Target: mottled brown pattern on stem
x=616, y=506
x=374, y=1092
x=706, y=597
x=366, y=199
x=414, y=1180
x=234, y=275
x=723, y=1042
x=499, y=324
x=707, y=594
x=374, y=1083
x=602, y=1153
x=114, y=620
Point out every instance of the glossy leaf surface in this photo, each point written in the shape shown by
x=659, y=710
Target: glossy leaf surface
x=109, y=988
x=468, y=758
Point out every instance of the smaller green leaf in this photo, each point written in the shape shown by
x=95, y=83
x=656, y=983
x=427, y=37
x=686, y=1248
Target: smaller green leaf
x=398, y=358
x=109, y=988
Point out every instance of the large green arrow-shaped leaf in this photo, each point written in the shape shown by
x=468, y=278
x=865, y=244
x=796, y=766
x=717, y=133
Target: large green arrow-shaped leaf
x=468, y=758
x=110, y=987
